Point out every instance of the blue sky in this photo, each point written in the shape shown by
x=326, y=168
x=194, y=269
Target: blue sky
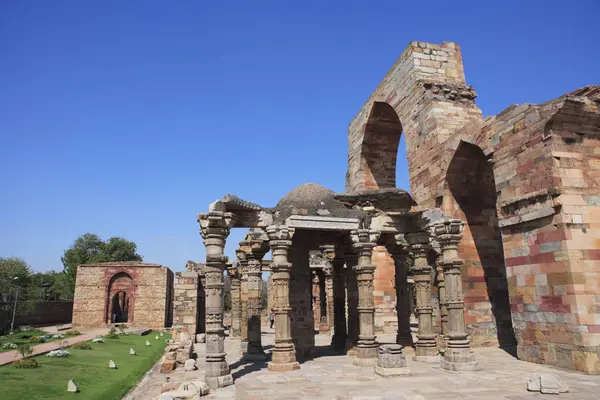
x=128, y=118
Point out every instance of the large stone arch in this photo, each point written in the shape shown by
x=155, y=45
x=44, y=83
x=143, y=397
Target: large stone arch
x=471, y=196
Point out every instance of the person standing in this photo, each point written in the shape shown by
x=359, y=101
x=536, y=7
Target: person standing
x=271, y=317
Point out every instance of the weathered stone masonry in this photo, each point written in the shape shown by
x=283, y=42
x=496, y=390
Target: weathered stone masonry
x=526, y=182
x=138, y=294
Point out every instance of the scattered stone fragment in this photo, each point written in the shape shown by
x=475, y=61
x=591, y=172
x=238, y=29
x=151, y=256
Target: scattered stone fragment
x=161, y=334
x=391, y=361
x=98, y=340
x=190, y=365
x=546, y=384
x=132, y=351
x=168, y=366
x=147, y=343
x=72, y=387
x=188, y=389
x=111, y=364
x=166, y=397
x=156, y=337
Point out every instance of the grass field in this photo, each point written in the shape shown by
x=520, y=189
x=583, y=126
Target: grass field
x=89, y=369
x=23, y=337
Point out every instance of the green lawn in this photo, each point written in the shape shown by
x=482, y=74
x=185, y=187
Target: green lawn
x=23, y=337
x=89, y=369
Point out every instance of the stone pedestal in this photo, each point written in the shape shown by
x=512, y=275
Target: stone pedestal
x=214, y=228
x=458, y=355
x=426, y=347
x=391, y=361
x=284, y=353
x=364, y=242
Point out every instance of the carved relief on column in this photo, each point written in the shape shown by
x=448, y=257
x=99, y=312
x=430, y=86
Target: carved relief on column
x=338, y=341
x=316, y=299
x=364, y=240
x=399, y=250
x=214, y=228
x=236, y=300
x=328, y=252
x=255, y=246
x=243, y=271
x=458, y=355
x=284, y=353
x=426, y=346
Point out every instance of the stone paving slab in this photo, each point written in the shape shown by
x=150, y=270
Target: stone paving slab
x=336, y=378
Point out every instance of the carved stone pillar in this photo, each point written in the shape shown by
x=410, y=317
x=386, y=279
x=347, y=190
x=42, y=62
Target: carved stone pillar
x=364, y=240
x=458, y=355
x=426, y=346
x=328, y=252
x=338, y=341
x=236, y=301
x=441, y=284
x=255, y=246
x=399, y=249
x=284, y=353
x=316, y=299
x=243, y=270
x=352, y=304
x=214, y=228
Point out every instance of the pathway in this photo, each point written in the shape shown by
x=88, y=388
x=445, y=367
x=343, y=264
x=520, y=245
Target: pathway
x=10, y=356
x=335, y=377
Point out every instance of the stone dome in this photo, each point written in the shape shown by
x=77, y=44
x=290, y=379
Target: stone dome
x=306, y=195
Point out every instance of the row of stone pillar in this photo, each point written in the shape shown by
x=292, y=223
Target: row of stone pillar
x=215, y=226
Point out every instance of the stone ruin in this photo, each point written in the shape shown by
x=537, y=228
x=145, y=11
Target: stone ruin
x=500, y=226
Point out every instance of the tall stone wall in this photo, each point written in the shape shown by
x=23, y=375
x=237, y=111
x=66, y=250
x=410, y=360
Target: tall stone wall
x=151, y=288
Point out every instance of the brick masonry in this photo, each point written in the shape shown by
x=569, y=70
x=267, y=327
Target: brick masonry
x=189, y=299
x=527, y=183
x=149, y=289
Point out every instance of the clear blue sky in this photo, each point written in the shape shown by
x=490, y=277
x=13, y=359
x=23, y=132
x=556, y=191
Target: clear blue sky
x=127, y=118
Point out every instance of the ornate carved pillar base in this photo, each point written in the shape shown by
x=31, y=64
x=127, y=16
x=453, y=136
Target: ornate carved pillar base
x=459, y=359
x=391, y=361
x=244, y=346
x=217, y=375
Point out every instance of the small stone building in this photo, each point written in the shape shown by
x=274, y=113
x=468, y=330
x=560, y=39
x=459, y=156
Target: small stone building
x=134, y=293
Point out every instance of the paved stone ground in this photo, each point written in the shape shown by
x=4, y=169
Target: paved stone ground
x=10, y=356
x=335, y=378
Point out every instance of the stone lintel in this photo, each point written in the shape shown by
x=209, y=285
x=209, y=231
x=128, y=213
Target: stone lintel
x=532, y=216
x=322, y=223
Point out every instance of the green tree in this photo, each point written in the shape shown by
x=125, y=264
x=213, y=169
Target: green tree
x=90, y=248
x=14, y=272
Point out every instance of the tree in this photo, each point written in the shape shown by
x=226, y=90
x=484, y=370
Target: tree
x=11, y=268
x=90, y=248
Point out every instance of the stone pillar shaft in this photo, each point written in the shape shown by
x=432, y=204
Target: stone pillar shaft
x=316, y=298
x=364, y=242
x=236, y=303
x=399, y=250
x=426, y=346
x=243, y=270
x=329, y=297
x=458, y=356
x=441, y=283
x=284, y=353
x=254, y=311
x=338, y=341
x=214, y=228
x=352, y=306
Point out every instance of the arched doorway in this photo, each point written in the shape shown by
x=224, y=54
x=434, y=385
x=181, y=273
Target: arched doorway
x=120, y=298
x=120, y=307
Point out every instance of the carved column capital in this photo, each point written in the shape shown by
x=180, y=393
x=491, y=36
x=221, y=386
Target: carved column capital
x=280, y=232
x=215, y=223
